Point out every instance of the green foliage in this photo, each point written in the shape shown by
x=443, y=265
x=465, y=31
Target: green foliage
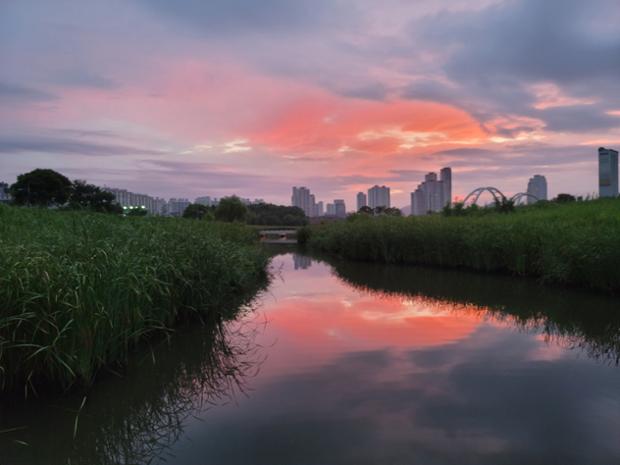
x=136, y=211
x=564, y=198
x=197, y=211
x=41, y=187
x=392, y=211
x=575, y=244
x=79, y=290
x=86, y=196
x=504, y=205
x=365, y=210
x=231, y=209
x=276, y=215
x=303, y=235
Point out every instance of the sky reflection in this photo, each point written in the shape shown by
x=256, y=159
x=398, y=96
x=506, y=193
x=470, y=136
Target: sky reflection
x=353, y=377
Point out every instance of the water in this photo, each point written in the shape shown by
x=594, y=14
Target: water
x=349, y=363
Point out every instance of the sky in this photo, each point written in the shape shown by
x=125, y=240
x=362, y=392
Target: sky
x=222, y=97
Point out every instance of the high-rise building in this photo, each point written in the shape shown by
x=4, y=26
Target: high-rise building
x=537, y=188
x=379, y=196
x=433, y=194
x=207, y=201
x=340, y=209
x=176, y=207
x=330, y=209
x=362, y=200
x=5, y=197
x=126, y=199
x=418, y=202
x=303, y=199
x=319, y=208
x=445, y=176
x=607, y=172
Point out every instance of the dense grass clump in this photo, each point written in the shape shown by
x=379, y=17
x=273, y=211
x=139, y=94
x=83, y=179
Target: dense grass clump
x=79, y=290
x=573, y=244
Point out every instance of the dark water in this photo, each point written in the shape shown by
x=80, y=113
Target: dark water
x=347, y=363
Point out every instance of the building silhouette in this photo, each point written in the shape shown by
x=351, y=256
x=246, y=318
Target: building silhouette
x=127, y=199
x=607, y=172
x=176, y=207
x=5, y=197
x=433, y=194
x=379, y=196
x=362, y=200
x=340, y=209
x=536, y=187
x=304, y=199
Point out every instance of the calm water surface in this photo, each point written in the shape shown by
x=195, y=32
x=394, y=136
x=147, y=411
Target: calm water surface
x=349, y=363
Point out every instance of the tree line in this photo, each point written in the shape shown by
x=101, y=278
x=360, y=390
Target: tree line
x=51, y=189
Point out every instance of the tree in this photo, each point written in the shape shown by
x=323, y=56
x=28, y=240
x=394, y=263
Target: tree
x=42, y=187
x=197, y=211
x=275, y=215
x=91, y=197
x=504, y=205
x=137, y=211
x=231, y=209
x=392, y=211
x=564, y=198
x=365, y=210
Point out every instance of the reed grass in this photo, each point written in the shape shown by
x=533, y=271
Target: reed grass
x=79, y=291
x=574, y=244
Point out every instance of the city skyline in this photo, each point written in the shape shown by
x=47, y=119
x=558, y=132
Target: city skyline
x=250, y=98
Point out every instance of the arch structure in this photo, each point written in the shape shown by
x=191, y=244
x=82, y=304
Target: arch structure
x=498, y=195
x=523, y=196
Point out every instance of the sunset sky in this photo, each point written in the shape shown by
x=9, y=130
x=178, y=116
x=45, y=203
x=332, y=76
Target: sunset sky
x=186, y=98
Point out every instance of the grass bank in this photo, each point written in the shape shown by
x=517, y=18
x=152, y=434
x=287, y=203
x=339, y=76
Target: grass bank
x=571, y=244
x=78, y=291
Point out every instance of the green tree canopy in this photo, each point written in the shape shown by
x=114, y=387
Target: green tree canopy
x=91, y=197
x=231, y=209
x=276, y=215
x=42, y=187
x=393, y=211
x=197, y=211
x=137, y=211
x=564, y=198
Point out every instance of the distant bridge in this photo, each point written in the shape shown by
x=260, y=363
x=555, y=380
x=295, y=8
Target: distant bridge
x=498, y=196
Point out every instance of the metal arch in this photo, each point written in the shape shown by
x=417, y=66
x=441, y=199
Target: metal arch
x=498, y=195
x=523, y=195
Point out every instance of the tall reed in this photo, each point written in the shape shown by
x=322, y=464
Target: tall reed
x=573, y=244
x=78, y=291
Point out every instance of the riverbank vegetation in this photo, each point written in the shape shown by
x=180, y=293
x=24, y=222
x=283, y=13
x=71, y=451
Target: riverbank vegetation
x=575, y=243
x=78, y=291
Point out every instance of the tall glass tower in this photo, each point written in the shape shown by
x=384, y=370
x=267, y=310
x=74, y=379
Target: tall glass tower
x=607, y=172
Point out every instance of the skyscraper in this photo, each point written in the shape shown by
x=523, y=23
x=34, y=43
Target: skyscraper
x=154, y=205
x=379, y=196
x=340, y=209
x=537, y=187
x=433, y=194
x=361, y=200
x=5, y=197
x=303, y=199
x=607, y=172
x=445, y=175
